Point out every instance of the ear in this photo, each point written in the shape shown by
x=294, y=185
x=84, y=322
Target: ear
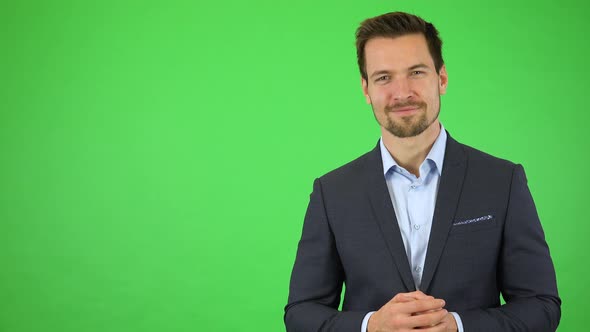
x=365, y=86
x=443, y=80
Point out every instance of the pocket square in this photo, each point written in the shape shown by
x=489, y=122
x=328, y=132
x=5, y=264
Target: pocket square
x=474, y=220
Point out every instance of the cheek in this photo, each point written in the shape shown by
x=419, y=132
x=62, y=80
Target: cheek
x=379, y=97
x=425, y=83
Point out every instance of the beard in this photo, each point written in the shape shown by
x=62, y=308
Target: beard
x=408, y=126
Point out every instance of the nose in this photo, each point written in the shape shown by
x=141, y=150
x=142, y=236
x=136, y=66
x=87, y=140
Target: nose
x=401, y=89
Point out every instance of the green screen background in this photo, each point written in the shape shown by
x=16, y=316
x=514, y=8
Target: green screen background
x=157, y=156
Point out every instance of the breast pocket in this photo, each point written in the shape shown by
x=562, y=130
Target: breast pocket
x=473, y=224
x=472, y=249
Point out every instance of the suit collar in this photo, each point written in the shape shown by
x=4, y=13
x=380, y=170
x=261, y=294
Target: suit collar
x=385, y=216
x=449, y=191
x=447, y=200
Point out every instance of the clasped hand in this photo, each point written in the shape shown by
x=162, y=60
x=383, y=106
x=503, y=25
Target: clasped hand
x=411, y=311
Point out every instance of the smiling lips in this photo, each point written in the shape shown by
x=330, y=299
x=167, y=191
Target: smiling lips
x=405, y=110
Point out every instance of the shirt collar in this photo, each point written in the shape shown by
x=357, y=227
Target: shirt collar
x=436, y=153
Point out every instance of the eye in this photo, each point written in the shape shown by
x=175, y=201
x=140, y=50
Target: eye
x=417, y=72
x=382, y=78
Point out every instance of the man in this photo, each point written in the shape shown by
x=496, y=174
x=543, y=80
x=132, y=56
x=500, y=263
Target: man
x=424, y=232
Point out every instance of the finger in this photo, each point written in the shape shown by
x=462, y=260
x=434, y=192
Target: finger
x=402, y=297
x=442, y=327
x=405, y=297
x=425, y=312
x=418, y=295
x=420, y=306
x=428, y=320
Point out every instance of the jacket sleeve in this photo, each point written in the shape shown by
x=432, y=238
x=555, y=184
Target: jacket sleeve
x=526, y=275
x=317, y=277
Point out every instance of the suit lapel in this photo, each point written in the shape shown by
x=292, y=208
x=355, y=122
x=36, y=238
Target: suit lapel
x=449, y=192
x=385, y=215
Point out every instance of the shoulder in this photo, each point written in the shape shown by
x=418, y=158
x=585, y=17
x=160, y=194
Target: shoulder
x=484, y=167
x=480, y=157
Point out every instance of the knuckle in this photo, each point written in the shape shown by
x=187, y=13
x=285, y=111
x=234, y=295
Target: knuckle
x=421, y=305
x=430, y=319
x=393, y=310
x=413, y=307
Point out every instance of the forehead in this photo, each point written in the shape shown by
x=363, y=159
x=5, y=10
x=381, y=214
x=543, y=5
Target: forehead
x=397, y=53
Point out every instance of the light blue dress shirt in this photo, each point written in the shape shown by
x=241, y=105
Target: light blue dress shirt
x=413, y=200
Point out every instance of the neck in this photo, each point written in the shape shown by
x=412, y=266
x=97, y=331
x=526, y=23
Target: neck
x=410, y=152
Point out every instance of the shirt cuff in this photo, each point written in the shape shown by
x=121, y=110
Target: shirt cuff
x=365, y=324
x=458, y=321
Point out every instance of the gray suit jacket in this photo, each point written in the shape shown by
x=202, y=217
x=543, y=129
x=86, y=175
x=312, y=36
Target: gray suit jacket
x=486, y=239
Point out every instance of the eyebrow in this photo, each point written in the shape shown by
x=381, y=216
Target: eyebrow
x=419, y=66
x=414, y=67
x=379, y=72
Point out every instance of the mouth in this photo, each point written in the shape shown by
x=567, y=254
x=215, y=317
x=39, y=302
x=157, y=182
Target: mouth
x=404, y=111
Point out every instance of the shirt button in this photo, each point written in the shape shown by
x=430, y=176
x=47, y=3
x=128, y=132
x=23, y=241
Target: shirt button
x=416, y=227
x=418, y=269
x=413, y=186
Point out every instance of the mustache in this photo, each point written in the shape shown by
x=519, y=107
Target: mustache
x=395, y=107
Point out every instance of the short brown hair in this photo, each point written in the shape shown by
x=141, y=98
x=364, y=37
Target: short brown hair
x=393, y=25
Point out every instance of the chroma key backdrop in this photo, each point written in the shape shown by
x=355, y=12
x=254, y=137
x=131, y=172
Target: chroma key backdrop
x=157, y=156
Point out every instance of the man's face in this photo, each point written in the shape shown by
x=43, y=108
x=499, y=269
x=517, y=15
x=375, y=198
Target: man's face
x=403, y=87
